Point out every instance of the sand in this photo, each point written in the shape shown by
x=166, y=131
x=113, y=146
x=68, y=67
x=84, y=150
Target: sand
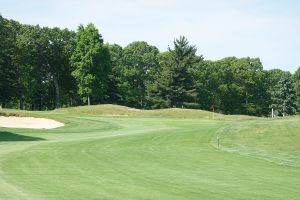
x=29, y=122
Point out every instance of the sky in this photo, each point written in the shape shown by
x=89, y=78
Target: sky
x=268, y=29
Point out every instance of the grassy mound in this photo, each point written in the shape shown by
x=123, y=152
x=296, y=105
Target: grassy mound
x=118, y=111
x=7, y=114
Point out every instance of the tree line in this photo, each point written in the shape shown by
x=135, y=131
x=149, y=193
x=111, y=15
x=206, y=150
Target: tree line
x=45, y=68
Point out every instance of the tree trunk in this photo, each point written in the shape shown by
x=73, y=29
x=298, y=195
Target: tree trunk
x=21, y=101
x=141, y=103
x=89, y=101
x=57, y=93
x=41, y=103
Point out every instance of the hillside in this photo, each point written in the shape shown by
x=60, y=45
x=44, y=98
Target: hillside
x=110, y=110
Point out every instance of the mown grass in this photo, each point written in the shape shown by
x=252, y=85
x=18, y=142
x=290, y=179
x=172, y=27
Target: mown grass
x=123, y=111
x=112, y=152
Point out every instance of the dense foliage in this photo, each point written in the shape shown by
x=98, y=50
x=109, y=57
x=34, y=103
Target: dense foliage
x=283, y=97
x=45, y=68
x=91, y=62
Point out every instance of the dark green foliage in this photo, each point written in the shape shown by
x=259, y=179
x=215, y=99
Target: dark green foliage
x=240, y=85
x=45, y=68
x=173, y=85
x=8, y=50
x=283, y=97
x=296, y=78
x=114, y=76
x=158, y=91
x=44, y=62
x=139, y=64
x=206, y=82
x=91, y=62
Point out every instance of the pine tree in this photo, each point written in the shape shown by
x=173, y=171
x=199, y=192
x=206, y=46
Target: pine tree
x=283, y=97
x=174, y=86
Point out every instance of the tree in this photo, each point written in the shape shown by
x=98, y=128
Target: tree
x=240, y=85
x=139, y=63
x=175, y=87
x=158, y=91
x=283, y=97
x=272, y=77
x=35, y=87
x=60, y=46
x=91, y=62
x=183, y=58
x=43, y=68
x=114, y=77
x=296, y=78
x=4, y=48
x=249, y=77
x=206, y=81
x=43, y=65
x=9, y=31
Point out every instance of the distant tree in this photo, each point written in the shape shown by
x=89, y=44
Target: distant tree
x=249, y=77
x=61, y=44
x=272, y=77
x=184, y=57
x=9, y=31
x=43, y=68
x=91, y=62
x=57, y=47
x=114, y=78
x=296, y=78
x=159, y=90
x=35, y=90
x=21, y=67
x=175, y=87
x=240, y=85
x=139, y=63
x=283, y=97
x=4, y=48
x=206, y=81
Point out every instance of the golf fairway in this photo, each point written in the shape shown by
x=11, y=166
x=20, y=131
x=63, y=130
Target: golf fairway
x=148, y=156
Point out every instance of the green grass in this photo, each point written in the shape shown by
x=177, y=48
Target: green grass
x=113, y=152
x=109, y=110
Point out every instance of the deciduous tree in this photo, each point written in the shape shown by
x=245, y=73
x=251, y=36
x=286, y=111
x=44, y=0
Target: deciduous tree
x=91, y=62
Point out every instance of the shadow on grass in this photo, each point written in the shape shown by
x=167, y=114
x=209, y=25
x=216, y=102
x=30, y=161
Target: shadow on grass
x=13, y=137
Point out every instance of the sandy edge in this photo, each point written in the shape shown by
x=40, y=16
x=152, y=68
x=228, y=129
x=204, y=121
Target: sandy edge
x=29, y=122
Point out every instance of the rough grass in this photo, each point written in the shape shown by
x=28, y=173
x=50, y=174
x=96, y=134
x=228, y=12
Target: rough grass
x=123, y=111
x=161, y=154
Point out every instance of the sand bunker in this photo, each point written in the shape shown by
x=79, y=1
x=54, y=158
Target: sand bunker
x=29, y=122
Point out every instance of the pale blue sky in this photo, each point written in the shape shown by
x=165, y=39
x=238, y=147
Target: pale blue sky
x=219, y=28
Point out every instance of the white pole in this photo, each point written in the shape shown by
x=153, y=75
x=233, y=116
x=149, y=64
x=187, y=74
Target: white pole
x=272, y=113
